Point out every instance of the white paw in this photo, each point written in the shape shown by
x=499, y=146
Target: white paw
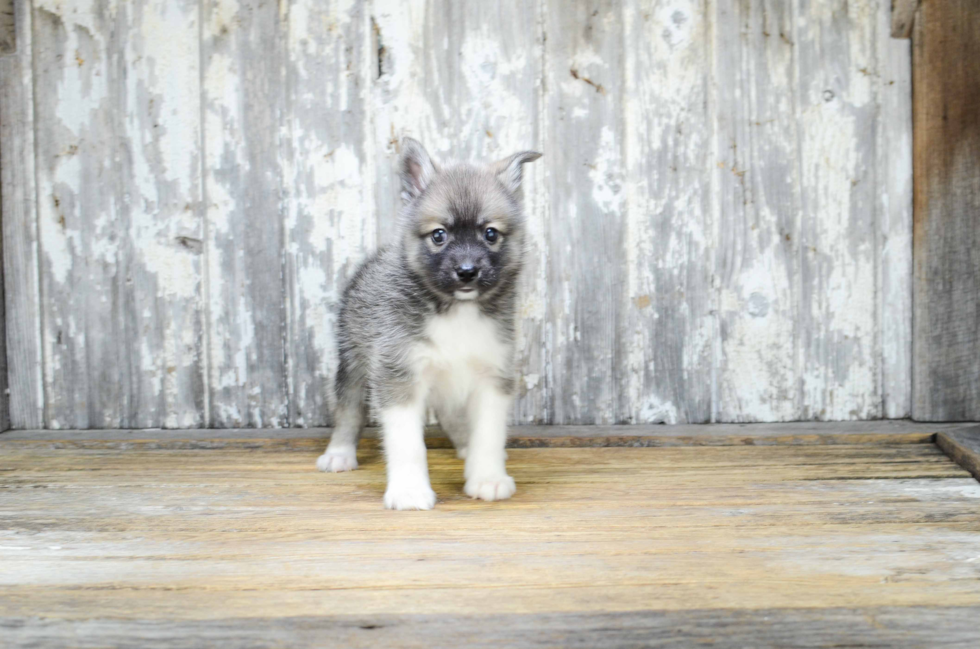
x=410, y=493
x=336, y=460
x=461, y=452
x=498, y=487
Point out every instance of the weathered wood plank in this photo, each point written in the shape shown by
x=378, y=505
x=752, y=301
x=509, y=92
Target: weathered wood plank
x=759, y=205
x=893, y=87
x=328, y=188
x=120, y=229
x=787, y=628
x=835, y=60
x=584, y=62
x=4, y=391
x=20, y=237
x=244, y=50
x=902, y=17
x=166, y=315
x=535, y=399
x=465, y=79
x=8, y=44
x=403, y=97
x=401, y=100
x=963, y=447
x=489, y=106
x=657, y=205
x=946, y=235
x=418, y=47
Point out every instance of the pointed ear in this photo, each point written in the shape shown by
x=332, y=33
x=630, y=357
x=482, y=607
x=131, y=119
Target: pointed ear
x=509, y=170
x=416, y=169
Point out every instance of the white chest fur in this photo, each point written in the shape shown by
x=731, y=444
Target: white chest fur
x=462, y=346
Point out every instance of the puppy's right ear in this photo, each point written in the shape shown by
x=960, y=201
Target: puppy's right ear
x=416, y=169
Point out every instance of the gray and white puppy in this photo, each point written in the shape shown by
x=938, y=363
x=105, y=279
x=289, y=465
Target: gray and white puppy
x=429, y=321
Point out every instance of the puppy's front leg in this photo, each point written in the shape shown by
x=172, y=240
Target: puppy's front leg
x=408, y=468
x=486, y=471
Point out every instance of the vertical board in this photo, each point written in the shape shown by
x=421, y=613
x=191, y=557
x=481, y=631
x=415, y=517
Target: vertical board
x=19, y=220
x=243, y=94
x=585, y=139
x=327, y=166
x=4, y=392
x=759, y=209
x=835, y=58
x=946, y=339
x=118, y=171
x=664, y=337
x=487, y=71
x=8, y=45
x=464, y=78
x=403, y=98
x=535, y=398
x=894, y=186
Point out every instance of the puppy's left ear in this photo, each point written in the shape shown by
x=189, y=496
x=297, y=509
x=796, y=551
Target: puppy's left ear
x=509, y=170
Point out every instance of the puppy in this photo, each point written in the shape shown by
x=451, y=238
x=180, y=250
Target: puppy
x=429, y=321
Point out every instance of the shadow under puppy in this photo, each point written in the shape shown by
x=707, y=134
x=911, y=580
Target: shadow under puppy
x=429, y=321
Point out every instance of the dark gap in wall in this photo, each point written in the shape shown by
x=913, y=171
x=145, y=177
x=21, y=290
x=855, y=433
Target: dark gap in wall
x=379, y=47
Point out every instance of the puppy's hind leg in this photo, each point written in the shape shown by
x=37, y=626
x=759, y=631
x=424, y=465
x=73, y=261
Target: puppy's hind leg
x=453, y=421
x=349, y=418
x=454, y=424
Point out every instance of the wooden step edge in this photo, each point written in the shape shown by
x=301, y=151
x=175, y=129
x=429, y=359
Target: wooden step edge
x=963, y=447
x=640, y=436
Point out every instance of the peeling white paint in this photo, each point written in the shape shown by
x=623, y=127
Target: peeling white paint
x=606, y=174
x=655, y=411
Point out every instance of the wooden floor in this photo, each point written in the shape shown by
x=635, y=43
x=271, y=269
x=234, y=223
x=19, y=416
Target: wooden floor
x=242, y=543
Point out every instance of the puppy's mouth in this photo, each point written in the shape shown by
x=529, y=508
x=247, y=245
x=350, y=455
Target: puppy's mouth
x=465, y=293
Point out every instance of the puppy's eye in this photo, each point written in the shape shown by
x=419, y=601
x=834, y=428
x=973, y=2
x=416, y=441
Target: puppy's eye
x=439, y=237
x=491, y=235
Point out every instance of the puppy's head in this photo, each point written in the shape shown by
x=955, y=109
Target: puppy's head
x=463, y=226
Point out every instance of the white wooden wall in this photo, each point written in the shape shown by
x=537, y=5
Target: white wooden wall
x=720, y=225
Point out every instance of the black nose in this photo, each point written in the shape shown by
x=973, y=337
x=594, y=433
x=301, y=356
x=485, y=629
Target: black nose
x=466, y=273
